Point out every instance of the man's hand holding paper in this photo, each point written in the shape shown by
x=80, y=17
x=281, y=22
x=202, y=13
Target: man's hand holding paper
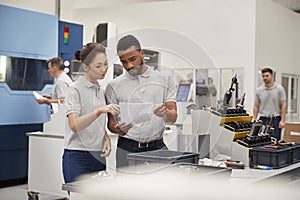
x=124, y=127
x=160, y=110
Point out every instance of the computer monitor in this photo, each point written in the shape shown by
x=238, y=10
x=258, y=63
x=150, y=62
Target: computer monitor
x=183, y=92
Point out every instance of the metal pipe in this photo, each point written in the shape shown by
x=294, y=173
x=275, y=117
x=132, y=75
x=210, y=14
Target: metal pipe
x=57, y=8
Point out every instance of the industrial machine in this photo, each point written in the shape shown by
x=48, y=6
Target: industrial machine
x=224, y=109
x=23, y=69
x=28, y=39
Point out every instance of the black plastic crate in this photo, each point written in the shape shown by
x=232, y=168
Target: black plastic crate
x=275, y=158
x=162, y=156
x=295, y=153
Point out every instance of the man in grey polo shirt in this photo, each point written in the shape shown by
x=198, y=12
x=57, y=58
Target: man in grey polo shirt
x=61, y=85
x=270, y=100
x=140, y=84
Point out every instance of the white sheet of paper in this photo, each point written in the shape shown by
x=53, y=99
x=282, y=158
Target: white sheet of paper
x=54, y=107
x=136, y=112
x=37, y=95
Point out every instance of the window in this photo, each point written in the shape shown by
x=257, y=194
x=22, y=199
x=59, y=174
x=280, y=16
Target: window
x=290, y=84
x=24, y=73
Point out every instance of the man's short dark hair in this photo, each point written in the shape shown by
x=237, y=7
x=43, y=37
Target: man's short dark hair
x=128, y=41
x=264, y=70
x=57, y=61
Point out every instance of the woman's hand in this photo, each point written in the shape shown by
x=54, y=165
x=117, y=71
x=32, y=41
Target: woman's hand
x=113, y=109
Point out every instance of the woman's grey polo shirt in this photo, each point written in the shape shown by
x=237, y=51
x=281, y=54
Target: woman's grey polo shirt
x=84, y=97
x=270, y=100
x=151, y=86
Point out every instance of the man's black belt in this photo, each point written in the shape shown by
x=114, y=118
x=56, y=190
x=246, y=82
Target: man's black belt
x=140, y=144
x=274, y=117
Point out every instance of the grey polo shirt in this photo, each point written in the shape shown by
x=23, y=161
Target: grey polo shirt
x=83, y=98
x=61, y=86
x=151, y=86
x=270, y=99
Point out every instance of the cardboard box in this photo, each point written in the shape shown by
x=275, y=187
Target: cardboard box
x=292, y=132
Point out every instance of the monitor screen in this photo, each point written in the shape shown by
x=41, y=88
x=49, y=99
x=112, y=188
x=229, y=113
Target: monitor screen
x=183, y=92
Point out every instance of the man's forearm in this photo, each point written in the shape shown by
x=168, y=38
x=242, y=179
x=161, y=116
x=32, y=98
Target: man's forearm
x=112, y=126
x=116, y=130
x=255, y=111
x=283, y=112
x=255, y=114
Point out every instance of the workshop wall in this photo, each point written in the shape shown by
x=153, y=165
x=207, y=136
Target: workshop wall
x=225, y=32
x=277, y=38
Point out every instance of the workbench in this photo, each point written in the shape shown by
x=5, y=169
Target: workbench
x=45, y=158
x=166, y=183
x=45, y=164
x=174, y=182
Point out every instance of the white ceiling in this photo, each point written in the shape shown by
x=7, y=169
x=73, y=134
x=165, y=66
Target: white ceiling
x=77, y=4
x=291, y=4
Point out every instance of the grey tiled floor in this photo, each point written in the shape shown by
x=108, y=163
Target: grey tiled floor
x=19, y=192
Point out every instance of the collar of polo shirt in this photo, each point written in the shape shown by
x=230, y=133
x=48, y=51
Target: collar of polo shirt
x=146, y=74
x=274, y=86
x=89, y=83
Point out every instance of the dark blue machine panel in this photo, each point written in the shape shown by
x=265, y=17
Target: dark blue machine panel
x=14, y=150
x=68, y=46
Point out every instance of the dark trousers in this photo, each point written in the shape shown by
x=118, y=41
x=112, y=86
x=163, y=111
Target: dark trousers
x=275, y=124
x=126, y=146
x=76, y=163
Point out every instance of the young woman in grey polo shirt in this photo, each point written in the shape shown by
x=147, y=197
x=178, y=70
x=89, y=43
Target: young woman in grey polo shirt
x=86, y=140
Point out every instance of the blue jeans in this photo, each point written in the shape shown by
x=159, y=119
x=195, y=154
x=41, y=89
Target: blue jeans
x=76, y=163
x=126, y=146
x=275, y=125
